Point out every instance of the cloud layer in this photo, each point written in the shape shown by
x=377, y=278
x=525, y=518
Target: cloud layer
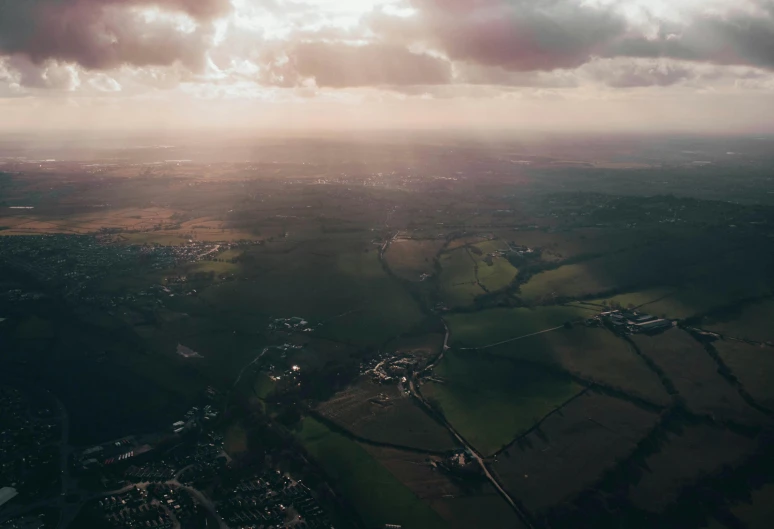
x=517, y=35
x=428, y=48
x=103, y=34
x=339, y=65
x=736, y=38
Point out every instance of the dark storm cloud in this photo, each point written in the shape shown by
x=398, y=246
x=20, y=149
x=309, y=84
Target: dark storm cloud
x=100, y=34
x=340, y=65
x=517, y=35
x=742, y=39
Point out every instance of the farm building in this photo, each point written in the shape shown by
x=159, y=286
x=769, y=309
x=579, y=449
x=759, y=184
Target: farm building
x=654, y=325
x=635, y=322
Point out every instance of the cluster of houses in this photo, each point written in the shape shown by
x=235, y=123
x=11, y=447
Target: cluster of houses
x=294, y=323
x=389, y=369
x=270, y=499
x=155, y=507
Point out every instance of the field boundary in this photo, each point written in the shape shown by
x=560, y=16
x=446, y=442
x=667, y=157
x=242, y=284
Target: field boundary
x=509, y=340
x=729, y=376
x=599, y=386
x=679, y=402
x=536, y=426
x=336, y=427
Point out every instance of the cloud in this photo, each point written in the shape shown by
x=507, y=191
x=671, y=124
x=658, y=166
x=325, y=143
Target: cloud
x=341, y=65
x=428, y=48
x=529, y=35
x=52, y=76
x=104, y=83
x=476, y=74
x=103, y=34
x=634, y=73
x=516, y=35
x=735, y=38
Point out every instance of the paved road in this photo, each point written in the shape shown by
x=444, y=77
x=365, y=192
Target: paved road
x=69, y=510
x=445, y=348
x=205, y=254
x=204, y=500
x=386, y=245
x=67, y=484
x=477, y=456
x=254, y=360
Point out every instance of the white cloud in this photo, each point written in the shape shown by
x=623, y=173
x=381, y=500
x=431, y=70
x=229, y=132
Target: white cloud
x=104, y=83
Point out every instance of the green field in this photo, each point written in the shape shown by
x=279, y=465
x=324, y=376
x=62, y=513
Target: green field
x=465, y=274
x=696, y=376
x=263, y=385
x=668, y=302
x=458, y=278
x=706, y=273
x=594, y=354
x=375, y=493
x=497, y=275
x=349, y=293
x=386, y=311
x=410, y=258
x=225, y=343
x=557, y=246
x=385, y=414
x=753, y=366
x=161, y=238
x=491, y=401
x=464, y=241
x=751, y=322
x=689, y=301
x=569, y=281
x=233, y=253
x=495, y=325
x=218, y=267
x=491, y=246
x=631, y=300
x=684, y=458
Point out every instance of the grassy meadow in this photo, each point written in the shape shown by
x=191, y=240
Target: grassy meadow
x=377, y=496
x=491, y=400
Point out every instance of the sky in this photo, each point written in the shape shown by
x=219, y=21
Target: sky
x=565, y=65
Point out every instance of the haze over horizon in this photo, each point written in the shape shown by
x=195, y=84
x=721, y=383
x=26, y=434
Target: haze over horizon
x=557, y=65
